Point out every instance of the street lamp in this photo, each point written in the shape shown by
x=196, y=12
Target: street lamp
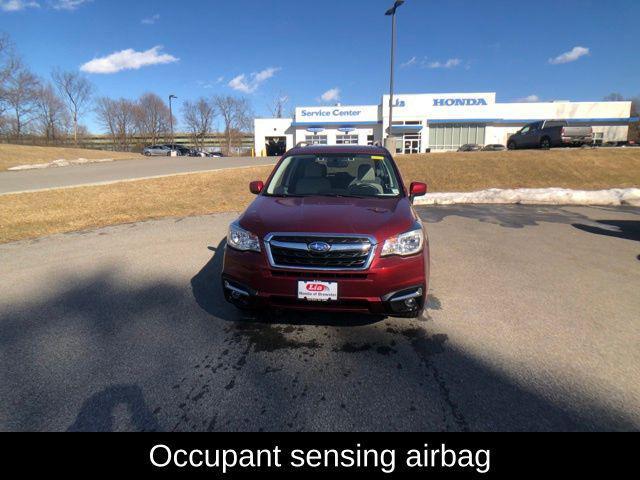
x=390, y=142
x=171, y=97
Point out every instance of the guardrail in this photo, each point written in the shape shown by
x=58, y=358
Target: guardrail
x=138, y=142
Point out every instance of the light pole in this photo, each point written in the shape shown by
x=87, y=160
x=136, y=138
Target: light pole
x=171, y=97
x=390, y=142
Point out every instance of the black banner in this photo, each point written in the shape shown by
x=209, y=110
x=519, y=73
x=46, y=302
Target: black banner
x=250, y=455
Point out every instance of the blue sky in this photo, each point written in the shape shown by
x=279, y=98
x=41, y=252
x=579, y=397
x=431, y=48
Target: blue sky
x=547, y=49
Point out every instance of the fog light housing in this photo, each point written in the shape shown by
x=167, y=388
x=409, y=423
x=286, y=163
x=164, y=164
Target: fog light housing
x=238, y=294
x=405, y=301
x=411, y=303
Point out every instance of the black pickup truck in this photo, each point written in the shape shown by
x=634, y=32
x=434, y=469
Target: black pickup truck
x=550, y=133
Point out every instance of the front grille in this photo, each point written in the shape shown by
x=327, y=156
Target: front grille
x=346, y=252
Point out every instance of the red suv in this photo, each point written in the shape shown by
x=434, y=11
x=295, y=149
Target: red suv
x=332, y=229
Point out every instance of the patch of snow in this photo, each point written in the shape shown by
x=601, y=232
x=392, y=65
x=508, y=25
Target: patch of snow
x=537, y=196
x=59, y=163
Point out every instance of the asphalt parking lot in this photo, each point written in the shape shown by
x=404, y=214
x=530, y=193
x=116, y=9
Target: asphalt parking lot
x=532, y=325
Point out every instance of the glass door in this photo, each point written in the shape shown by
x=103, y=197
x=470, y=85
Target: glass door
x=411, y=143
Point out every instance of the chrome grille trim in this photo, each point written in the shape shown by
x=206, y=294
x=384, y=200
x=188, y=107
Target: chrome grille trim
x=365, y=244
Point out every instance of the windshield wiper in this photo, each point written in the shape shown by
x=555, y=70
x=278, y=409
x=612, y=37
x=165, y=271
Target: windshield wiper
x=285, y=195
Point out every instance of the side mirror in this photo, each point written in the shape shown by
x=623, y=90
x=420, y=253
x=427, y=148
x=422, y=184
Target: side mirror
x=417, y=189
x=256, y=187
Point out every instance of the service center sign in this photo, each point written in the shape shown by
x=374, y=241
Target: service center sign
x=345, y=115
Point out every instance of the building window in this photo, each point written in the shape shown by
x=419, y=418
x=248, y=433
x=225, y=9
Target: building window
x=371, y=140
x=346, y=139
x=316, y=139
x=450, y=136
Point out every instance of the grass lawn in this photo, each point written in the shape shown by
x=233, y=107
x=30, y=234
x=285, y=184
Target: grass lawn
x=582, y=169
x=31, y=215
x=14, y=155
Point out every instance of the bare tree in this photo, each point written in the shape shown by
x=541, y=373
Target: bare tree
x=278, y=104
x=614, y=97
x=51, y=114
x=152, y=117
x=7, y=61
x=76, y=91
x=105, y=110
x=20, y=93
x=198, y=116
x=237, y=116
x=125, y=121
x=118, y=118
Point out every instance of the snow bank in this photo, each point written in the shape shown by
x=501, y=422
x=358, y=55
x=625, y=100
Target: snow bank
x=59, y=163
x=538, y=196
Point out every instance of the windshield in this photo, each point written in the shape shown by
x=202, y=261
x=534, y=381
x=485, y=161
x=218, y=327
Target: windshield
x=335, y=175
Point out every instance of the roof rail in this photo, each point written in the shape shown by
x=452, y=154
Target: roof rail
x=303, y=144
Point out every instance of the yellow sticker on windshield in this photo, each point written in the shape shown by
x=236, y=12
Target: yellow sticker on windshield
x=374, y=157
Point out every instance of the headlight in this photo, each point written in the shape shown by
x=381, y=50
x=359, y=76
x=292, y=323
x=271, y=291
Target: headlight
x=240, y=239
x=408, y=243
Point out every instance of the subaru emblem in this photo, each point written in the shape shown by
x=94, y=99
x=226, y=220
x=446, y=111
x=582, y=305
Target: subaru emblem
x=319, y=247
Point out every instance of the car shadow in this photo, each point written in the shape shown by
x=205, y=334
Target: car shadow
x=508, y=216
x=626, y=229
x=207, y=291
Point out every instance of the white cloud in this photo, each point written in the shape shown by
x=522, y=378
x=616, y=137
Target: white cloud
x=151, y=20
x=17, y=5
x=250, y=83
x=128, y=60
x=451, y=63
x=69, y=4
x=331, y=95
x=409, y=63
x=529, y=99
x=211, y=84
x=571, y=56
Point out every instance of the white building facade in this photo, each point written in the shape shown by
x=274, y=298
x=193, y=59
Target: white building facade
x=435, y=122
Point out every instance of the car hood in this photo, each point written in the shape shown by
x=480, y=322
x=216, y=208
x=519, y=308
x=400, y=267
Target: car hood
x=378, y=217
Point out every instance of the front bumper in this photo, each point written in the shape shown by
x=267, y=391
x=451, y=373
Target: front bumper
x=395, y=286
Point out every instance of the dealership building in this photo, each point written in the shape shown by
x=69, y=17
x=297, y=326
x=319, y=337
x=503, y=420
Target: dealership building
x=434, y=122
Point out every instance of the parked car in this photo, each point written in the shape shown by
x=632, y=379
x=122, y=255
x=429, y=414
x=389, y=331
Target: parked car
x=494, y=147
x=550, y=133
x=181, y=150
x=333, y=229
x=216, y=154
x=469, y=147
x=156, y=150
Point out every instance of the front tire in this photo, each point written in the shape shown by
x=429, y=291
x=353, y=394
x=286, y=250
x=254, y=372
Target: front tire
x=545, y=143
x=512, y=146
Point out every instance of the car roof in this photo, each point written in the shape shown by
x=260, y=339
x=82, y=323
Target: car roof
x=336, y=149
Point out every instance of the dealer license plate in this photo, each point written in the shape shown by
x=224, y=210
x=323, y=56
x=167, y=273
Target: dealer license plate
x=317, y=291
